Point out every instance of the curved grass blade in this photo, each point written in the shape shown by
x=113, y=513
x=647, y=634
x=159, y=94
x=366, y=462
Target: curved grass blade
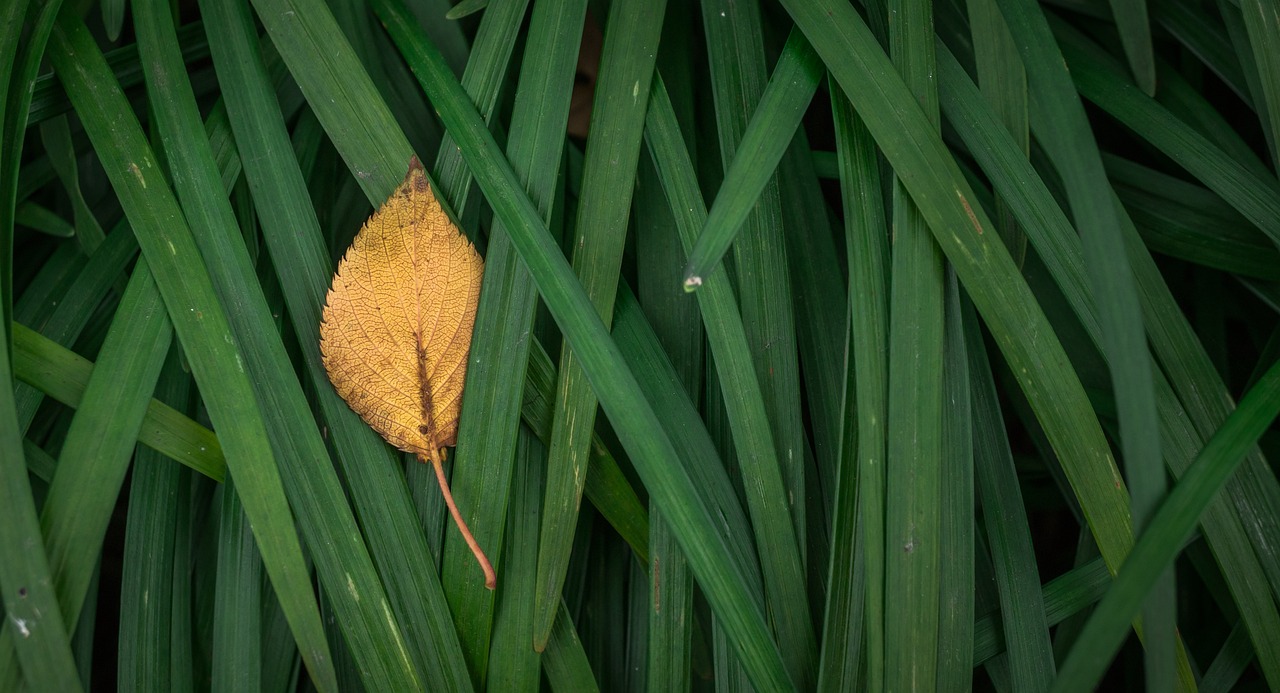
x=1171, y=525
x=199, y=321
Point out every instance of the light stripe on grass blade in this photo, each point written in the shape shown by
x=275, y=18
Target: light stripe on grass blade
x=63, y=375
x=25, y=581
x=791, y=87
x=637, y=426
x=1169, y=528
x=741, y=391
x=199, y=321
x=983, y=265
x=296, y=244
x=600, y=230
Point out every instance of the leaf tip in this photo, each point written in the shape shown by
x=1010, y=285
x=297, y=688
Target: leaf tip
x=692, y=282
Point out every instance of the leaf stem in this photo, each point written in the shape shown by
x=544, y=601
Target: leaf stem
x=490, y=578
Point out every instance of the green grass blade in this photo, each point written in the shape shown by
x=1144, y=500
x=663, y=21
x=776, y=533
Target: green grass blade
x=984, y=267
x=75, y=307
x=604, y=207
x=237, y=621
x=99, y=444
x=513, y=663
x=860, y=498
x=914, y=428
x=1064, y=131
x=293, y=237
x=956, y=515
x=741, y=390
x=63, y=375
x=147, y=611
x=1174, y=343
x=1022, y=610
x=324, y=517
x=1172, y=523
x=1262, y=23
x=20, y=61
x=199, y=321
x=25, y=578
x=1241, y=183
x=1135, y=36
x=766, y=137
x=56, y=136
x=564, y=661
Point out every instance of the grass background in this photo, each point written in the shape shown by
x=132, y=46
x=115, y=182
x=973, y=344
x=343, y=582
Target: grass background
x=906, y=345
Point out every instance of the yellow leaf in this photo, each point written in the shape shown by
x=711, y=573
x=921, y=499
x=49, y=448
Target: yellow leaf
x=397, y=324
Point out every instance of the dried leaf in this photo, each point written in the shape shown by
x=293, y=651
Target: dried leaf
x=397, y=325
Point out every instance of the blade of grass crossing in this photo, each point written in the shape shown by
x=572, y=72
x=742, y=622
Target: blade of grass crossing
x=742, y=394
x=736, y=61
x=565, y=662
x=62, y=374
x=199, y=321
x=604, y=205
x=237, y=616
x=75, y=308
x=295, y=242
x=99, y=445
x=1003, y=81
x=860, y=496
x=1066, y=136
x=55, y=134
x=1026, y=630
x=325, y=519
x=486, y=69
x=1168, y=529
x=666, y=590
x=1055, y=240
x=28, y=593
x=639, y=429
x=914, y=429
x=150, y=557
x=782, y=104
x=490, y=412
x=985, y=269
